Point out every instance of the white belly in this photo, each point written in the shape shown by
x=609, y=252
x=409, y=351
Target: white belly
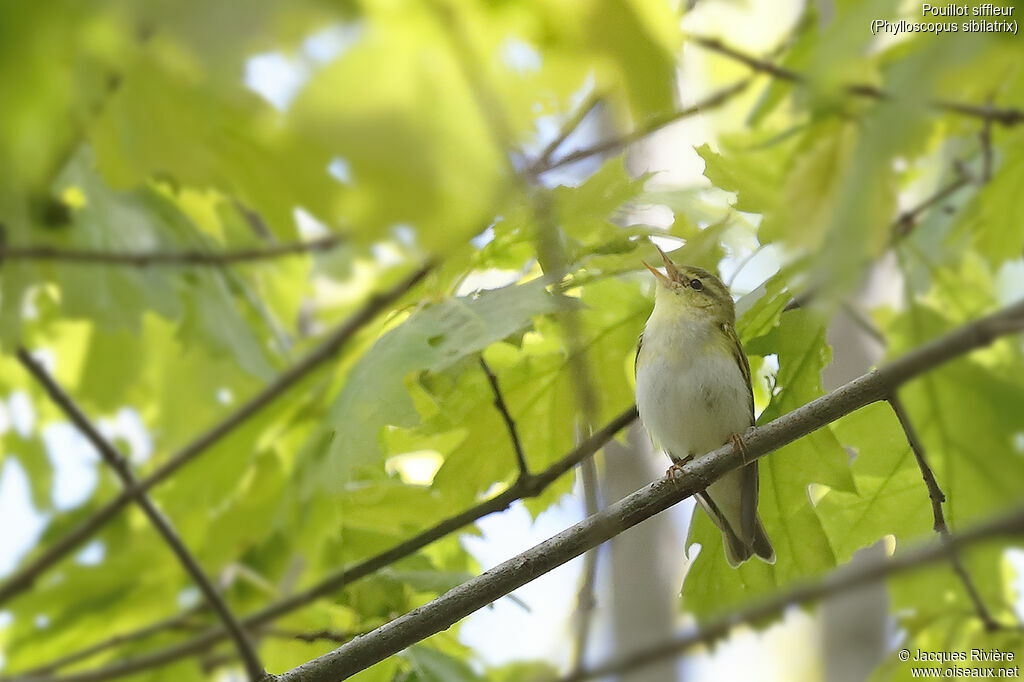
x=689, y=408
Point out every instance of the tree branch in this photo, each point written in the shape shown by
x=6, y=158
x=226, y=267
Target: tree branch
x=141, y=259
x=24, y=578
x=510, y=424
x=477, y=592
x=588, y=105
x=1007, y=117
x=907, y=220
x=530, y=486
x=937, y=497
x=713, y=101
x=1012, y=524
x=116, y=461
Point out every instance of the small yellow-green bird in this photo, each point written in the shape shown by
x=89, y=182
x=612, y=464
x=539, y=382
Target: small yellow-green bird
x=693, y=392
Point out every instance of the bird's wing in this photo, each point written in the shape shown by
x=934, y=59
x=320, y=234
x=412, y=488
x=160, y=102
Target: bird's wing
x=741, y=361
x=639, y=345
x=749, y=475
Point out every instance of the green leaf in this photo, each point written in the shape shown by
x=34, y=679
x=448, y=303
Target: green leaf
x=434, y=338
x=538, y=389
x=994, y=220
x=431, y=665
x=424, y=155
x=891, y=497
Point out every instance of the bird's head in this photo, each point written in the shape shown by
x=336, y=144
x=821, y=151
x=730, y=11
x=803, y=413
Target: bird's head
x=691, y=292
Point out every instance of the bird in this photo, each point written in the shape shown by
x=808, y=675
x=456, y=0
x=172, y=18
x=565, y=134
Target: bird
x=693, y=394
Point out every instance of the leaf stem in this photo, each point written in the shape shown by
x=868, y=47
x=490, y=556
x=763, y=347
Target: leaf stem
x=510, y=424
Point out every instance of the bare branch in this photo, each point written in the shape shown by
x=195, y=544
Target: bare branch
x=141, y=259
x=937, y=497
x=116, y=461
x=1010, y=525
x=985, y=138
x=523, y=487
x=1007, y=117
x=570, y=126
x=713, y=101
x=907, y=220
x=26, y=576
x=510, y=424
x=311, y=636
x=481, y=590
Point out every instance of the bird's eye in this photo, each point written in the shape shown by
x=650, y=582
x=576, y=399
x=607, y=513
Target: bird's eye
x=696, y=284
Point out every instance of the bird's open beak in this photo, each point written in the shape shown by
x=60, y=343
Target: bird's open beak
x=670, y=268
x=657, y=274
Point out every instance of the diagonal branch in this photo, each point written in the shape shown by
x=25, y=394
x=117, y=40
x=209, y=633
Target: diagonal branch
x=1008, y=117
x=510, y=424
x=588, y=105
x=937, y=497
x=24, y=578
x=476, y=593
x=116, y=461
x=907, y=220
x=713, y=101
x=141, y=259
x=1009, y=525
x=523, y=487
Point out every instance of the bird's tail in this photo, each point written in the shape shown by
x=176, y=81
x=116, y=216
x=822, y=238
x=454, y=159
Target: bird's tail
x=738, y=549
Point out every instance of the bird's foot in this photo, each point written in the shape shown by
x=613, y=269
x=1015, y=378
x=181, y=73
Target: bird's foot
x=739, y=446
x=675, y=472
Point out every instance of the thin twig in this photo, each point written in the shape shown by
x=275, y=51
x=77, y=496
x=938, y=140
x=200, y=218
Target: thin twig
x=711, y=632
x=1004, y=116
x=141, y=259
x=311, y=636
x=574, y=122
x=713, y=101
x=865, y=324
x=985, y=138
x=26, y=576
x=937, y=497
x=523, y=488
x=510, y=424
x=116, y=461
x=907, y=220
x=481, y=590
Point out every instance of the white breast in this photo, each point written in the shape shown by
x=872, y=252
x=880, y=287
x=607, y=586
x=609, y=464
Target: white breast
x=688, y=407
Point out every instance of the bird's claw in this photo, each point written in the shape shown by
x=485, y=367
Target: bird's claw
x=675, y=472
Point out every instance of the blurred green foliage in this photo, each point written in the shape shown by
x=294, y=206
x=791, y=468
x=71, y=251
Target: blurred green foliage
x=135, y=127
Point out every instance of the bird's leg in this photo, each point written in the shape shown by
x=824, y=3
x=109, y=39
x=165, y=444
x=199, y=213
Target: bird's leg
x=675, y=472
x=739, y=446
